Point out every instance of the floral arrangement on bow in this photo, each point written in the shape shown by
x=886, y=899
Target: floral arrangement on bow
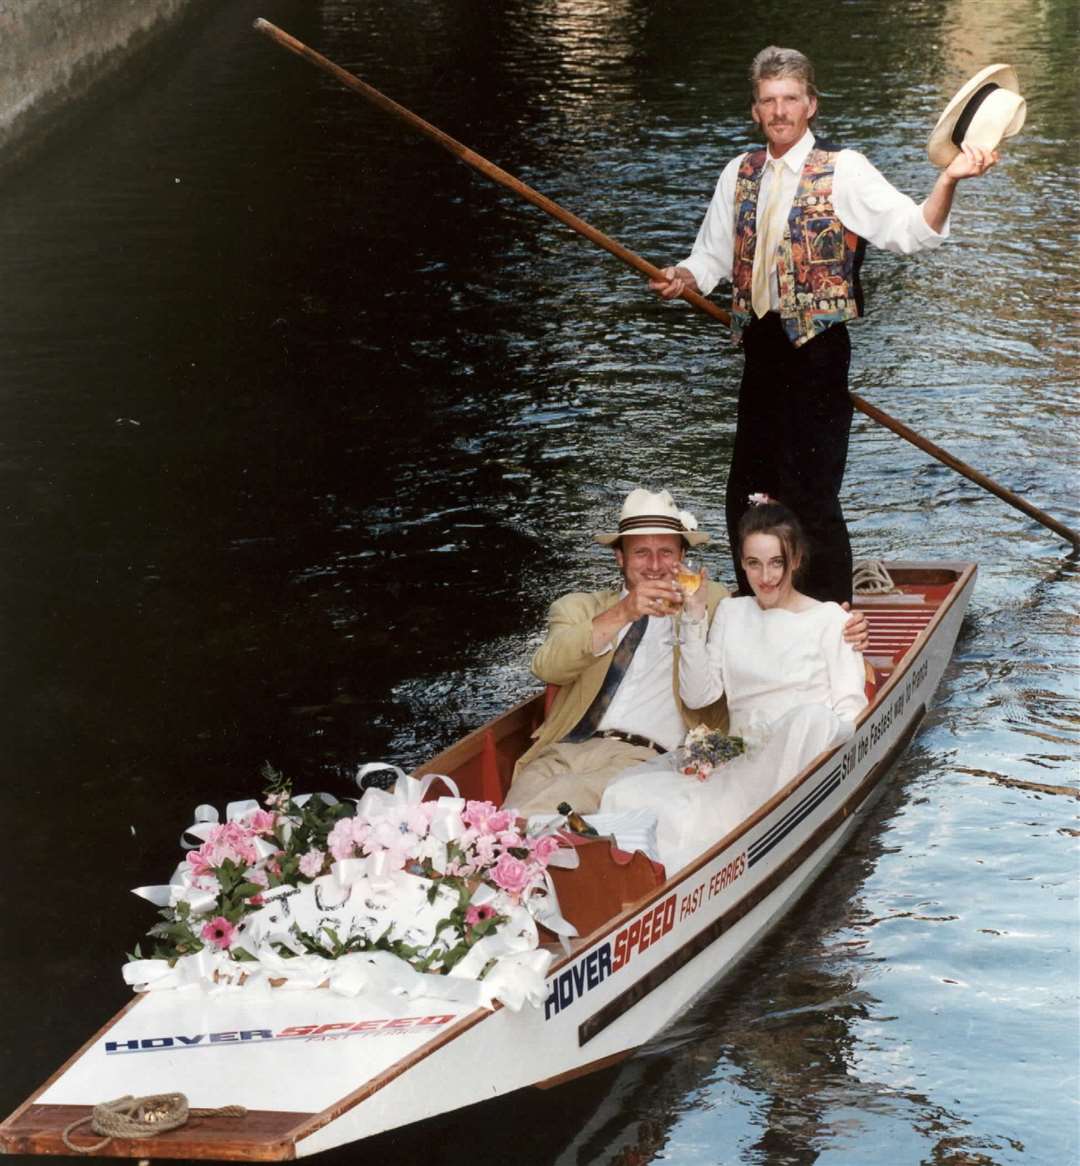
x=390, y=893
x=706, y=750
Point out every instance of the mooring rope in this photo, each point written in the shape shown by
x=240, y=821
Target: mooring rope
x=869, y=577
x=140, y=1117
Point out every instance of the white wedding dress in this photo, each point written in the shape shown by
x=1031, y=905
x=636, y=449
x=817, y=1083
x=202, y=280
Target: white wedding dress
x=794, y=688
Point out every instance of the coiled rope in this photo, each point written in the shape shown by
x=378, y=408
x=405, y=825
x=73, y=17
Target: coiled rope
x=869, y=577
x=140, y=1117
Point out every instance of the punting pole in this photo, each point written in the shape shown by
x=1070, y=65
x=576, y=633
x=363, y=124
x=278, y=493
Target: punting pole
x=642, y=266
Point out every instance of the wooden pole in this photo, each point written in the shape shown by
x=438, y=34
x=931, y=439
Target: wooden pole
x=970, y=472
x=507, y=180
x=477, y=162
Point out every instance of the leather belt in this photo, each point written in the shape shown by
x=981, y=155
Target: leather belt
x=632, y=739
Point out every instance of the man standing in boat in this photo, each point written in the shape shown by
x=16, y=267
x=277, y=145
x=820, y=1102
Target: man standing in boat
x=615, y=660
x=788, y=226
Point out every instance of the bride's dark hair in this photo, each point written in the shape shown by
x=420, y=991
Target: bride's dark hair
x=772, y=517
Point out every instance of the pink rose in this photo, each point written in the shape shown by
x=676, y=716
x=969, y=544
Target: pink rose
x=499, y=822
x=511, y=874
x=476, y=814
x=544, y=847
x=218, y=932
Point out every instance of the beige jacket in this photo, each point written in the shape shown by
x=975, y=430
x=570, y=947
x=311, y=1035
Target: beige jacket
x=566, y=658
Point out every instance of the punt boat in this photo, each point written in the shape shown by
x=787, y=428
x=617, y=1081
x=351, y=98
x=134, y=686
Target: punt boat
x=316, y=1070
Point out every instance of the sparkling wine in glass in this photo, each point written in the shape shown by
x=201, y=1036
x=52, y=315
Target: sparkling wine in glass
x=688, y=574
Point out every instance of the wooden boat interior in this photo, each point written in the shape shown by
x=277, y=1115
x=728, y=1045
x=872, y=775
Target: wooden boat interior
x=609, y=881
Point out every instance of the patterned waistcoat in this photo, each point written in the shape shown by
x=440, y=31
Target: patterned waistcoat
x=817, y=259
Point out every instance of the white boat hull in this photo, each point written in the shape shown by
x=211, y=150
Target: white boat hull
x=321, y=1070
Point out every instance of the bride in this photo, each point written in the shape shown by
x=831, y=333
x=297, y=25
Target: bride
x=793, y=686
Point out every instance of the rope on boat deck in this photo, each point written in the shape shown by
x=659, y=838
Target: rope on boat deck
x=140, y=1117
x=869, y=577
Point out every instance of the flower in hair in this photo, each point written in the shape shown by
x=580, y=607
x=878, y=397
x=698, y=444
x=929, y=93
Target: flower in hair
x=758, y=499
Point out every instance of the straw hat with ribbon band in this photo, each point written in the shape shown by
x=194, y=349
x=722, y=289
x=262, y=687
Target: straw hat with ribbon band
x=988, y=108
x=646, y=513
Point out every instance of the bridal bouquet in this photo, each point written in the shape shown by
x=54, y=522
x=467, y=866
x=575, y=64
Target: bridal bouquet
x=705, y=750
x=391, y=892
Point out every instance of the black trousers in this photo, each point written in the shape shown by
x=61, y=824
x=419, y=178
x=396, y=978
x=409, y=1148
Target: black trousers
x=791, y=443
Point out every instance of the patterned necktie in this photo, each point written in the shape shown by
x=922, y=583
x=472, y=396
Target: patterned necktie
x=620, y=661
x=768, y=236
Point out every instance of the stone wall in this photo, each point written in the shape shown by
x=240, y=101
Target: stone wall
x=53, y=51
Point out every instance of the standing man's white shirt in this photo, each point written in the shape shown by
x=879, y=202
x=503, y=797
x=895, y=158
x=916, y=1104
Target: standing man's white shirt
x=863, y=198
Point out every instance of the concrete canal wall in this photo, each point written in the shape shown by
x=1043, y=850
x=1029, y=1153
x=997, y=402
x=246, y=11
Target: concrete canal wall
x=53, y=51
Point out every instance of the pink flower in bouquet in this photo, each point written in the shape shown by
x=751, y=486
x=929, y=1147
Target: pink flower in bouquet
x=497, y=823
x=262, y=822
x=477, y=814
x=219, y=932
x=230, y=833
x=391, y=838
x=511, y=874
x=476, y=915
x=484, y=849
x=259, y=877
x=386, y=834
x=418, y=819
x=340, y=841
x=511, y=840
x=311, y=864
x=276, y=801
x=229, y=841
x=198, y=862
x=544, y=847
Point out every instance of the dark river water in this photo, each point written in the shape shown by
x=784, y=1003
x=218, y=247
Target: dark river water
x=302, y=425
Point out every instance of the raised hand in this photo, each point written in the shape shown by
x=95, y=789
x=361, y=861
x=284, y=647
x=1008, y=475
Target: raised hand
x=653, y=597
x=971, y=162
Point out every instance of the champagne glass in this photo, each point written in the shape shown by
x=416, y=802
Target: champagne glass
x=689, y=574
x=671, y=609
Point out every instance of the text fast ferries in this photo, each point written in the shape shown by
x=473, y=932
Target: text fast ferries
x=645, y=931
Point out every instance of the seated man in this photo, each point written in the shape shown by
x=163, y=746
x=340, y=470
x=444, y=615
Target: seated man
x=614, y=656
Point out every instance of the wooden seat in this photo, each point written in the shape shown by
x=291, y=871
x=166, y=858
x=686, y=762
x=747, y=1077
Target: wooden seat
x=606, y=880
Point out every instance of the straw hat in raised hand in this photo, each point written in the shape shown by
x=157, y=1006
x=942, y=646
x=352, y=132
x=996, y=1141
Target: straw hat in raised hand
x=988, y=108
